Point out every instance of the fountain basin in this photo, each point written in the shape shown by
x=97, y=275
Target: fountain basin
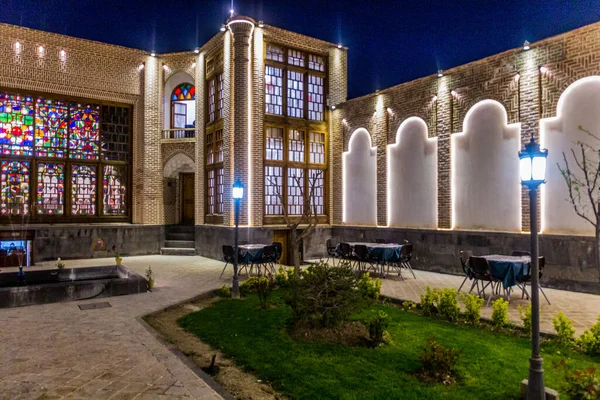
x=56, y=285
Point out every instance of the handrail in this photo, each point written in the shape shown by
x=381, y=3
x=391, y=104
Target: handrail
x=179, y=133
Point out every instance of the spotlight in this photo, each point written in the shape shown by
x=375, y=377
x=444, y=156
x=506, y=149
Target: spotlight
x=434, y=98
x=62, y=54
x=453, y=93
x=543, y=69
x=193, y=65
x=517, y=77
x=41, y=50
x=18, y=46
x=339, y=45
x=389, y=110
x=196, y=50
x=333, y=107
x=165, y=68
x=261, y=24
x=140, y=67
x=231, y=12
x=440, y=73
x=223, y=28
x=526, y=45
x=153, y=54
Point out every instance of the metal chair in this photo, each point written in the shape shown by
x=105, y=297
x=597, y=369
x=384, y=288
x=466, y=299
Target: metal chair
x=332, y=253
x=527, y=279
x=481, y=271
x=405, y=257
x=464, y=262
x=361, y=256
x=268, y=259
x=228, y=257
x=278, y=251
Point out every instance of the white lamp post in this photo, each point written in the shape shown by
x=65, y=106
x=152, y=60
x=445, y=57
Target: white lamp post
x=533, y=174
x=238, y=194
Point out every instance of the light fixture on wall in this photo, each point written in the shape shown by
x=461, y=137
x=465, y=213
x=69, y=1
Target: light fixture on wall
x=261, y=24
x=141, y=67
x=197, y=50
x=434, y=99
x=543, y=69
x=62, y=55
x=339, y=45
x=231, y=13
x=453, y=93
x=390, y=111
x=517, y=77
x=440, y=73
x=223, y=28
x=166, y=68
x=193, y=65
x=333, y=107
x=153, y=53
x=41, y=50
x=17, y=47
x=526, y=45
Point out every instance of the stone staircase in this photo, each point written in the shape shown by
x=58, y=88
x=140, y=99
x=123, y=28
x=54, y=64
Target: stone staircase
x=180, y=240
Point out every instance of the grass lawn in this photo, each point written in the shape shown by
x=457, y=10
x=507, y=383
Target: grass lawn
x=492, y=364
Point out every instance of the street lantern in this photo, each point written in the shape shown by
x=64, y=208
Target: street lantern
x=532, y=163
x=237, y=194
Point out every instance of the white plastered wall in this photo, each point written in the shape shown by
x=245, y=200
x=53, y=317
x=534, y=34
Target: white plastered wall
x=412, y=177
x=360, y=180
x=486, y=191
x=173, y=81
x=579, y=105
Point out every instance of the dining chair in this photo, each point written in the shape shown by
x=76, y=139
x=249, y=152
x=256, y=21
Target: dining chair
x=481, y=271
x=278, y=251
x=332, y=253
x=361, y=256
x=406, y=256
x=346, y=252
x=464, y=262
x=527, y=279
x=268, y=257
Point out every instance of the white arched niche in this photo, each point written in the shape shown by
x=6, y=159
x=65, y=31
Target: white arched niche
x=360, y=180
x=179, y=163
x=579, y=105
x=175, y=80
x=486, y=189
x=412, y=177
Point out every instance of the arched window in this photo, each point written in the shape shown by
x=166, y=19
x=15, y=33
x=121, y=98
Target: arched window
x=183, y=113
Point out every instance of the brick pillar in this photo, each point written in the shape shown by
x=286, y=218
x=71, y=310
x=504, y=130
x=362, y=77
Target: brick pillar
x=444, y=130
x=241, y=27
x=380, y=134
x=257, y=107
x=200, y=184
x=152, y=177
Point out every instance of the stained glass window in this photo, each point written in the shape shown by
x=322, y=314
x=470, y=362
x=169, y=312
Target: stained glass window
x=84, y=131
x=114, y=190
x=83, y=189
x=16, y=124
x=116, y=125
x=50, y=188
x=51, y=121
x=185, y=91
x=295, y=94
x=14, y=187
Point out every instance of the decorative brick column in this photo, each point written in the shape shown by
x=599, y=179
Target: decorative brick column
x=257, y=169
x=200, y=184
x=242, y=28
x=444, y=130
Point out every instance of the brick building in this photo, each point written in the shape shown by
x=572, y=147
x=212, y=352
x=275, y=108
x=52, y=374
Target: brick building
x=118, y=147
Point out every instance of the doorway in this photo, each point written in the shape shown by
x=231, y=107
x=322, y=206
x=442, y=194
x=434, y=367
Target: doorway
x=187, y=198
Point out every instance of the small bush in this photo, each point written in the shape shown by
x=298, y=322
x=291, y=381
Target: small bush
x=473, y=306
x=525, y=313
x=282, y=277
x=430, y=301
x=325, y=296
x=377, y=327
x=580, y=384
x=589, y=342
x=223, y=291
x=369, y=288
x=249, y=285
x=563, y=327
x=500, y=312
x=438, y=364
x=409, y=305
x=448, y=305
x=264, y=287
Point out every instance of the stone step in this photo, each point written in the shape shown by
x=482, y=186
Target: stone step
x=182, y=244
x=177, y=251
x=181, y=236
x=180, y=229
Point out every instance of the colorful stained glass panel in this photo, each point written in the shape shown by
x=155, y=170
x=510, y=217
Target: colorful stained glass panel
x=114, y=187
x=16, y=124
x=14, y=187
x=50, y=189
x=83, y=189
x=84, y=133
x=185, y=91
x=51, y=121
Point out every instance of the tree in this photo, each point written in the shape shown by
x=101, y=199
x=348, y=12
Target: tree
x=308, y=216
x=584, y=186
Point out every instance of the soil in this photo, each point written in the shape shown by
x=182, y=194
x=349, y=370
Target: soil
x=349, y=334
x=238, y=383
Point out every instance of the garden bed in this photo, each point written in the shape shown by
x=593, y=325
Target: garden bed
x=491, y=365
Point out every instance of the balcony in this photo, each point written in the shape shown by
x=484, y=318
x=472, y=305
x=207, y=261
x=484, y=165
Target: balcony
x=179, y=133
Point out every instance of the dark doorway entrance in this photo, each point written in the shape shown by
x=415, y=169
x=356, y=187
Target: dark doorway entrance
x=187, y=198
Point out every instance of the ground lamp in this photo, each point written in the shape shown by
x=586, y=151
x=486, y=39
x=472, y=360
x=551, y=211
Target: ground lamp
x=533, y=173
x=238, y=193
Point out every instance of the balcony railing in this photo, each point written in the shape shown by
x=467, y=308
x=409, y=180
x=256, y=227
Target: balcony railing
x=179, y=133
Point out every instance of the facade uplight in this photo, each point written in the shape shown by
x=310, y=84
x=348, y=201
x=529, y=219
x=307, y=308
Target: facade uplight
x=17, y=47
x=196, y=50
x=223, y=28
x=543, y=69
x=261, y=24
x=526, y=45
x=440, y=73
x=153, y=54
x=41, y=50
x=339, y=45
x=193, y=65
x=517, y=77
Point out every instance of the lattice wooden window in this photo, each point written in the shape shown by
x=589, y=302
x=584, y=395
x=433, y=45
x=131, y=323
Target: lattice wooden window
x=316, y=63
x=114, y=190
x=315, y=98
x=273, y=90
x=274, y=144
x=220, y=96
x=83, y=189
x=50, y=188
x=211, y=191
x=295, y=188
x=316, y=177
x=273, y=189
x=295, y=94
x=317, y=148
x=211, y=99
x=116, y=122
x=274, y=53
x=219, y=199
x=296, y=146
x=296, y=58
x=219, y=146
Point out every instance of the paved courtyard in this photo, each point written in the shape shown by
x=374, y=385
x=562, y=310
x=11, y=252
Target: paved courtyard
x=57, y=351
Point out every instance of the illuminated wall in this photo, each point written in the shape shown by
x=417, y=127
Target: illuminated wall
x=412, y=177
x=486, y=191
x=360, y=180
x=579, y=105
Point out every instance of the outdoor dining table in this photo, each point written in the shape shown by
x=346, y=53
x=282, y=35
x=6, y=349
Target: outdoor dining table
x=381, y=252
x=509, y=269
x=251, y=252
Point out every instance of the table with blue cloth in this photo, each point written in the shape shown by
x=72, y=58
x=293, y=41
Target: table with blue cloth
x=381, y=252
x=509, y=269
x=251, y=252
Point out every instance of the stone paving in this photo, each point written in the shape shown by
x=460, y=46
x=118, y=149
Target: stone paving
x=57, y=351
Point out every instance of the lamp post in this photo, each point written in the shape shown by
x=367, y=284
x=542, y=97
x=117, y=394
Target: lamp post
x=238, y=194
x=532, y=162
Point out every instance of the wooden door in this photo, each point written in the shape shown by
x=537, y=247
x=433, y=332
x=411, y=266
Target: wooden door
x=187, y=198
x=282, y=236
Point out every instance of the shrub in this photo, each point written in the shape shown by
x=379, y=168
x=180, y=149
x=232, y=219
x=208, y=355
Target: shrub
x=377, y=327
x=473, y=306
x=430, y=301
x=264, y=287
x=580, y=384
x=369, y=288
x=438, y=364
x=525, y=313
x=589, y=342
x=249, y=285
x=409, y=305
x=448, y=308
x=325, y=296
x=564, y=328
x=500, y=312
x=223, y=291
x=282, y=277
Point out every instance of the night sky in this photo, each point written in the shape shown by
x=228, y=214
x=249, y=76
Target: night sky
x=390, y=41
